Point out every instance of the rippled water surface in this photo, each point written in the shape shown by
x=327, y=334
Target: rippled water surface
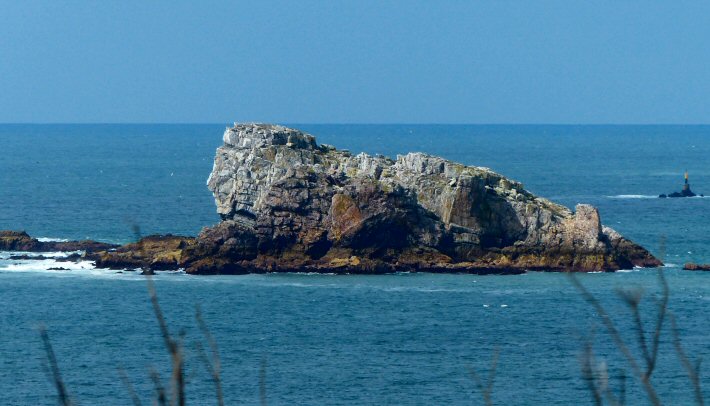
x=397, y=339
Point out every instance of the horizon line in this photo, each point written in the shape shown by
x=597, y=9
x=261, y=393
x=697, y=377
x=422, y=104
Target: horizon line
x=355, y=123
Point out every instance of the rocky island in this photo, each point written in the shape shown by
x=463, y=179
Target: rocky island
x=685, y=192
x=289, y=204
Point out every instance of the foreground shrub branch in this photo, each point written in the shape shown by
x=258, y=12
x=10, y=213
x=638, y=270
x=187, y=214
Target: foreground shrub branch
x=643, y=368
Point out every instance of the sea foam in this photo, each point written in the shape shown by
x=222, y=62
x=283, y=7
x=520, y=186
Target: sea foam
x=633, y=197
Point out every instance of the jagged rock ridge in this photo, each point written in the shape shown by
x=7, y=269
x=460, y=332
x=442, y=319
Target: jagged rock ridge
x=290, y=204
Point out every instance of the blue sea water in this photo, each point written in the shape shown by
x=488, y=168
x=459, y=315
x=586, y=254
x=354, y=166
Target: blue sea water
x=407, y=339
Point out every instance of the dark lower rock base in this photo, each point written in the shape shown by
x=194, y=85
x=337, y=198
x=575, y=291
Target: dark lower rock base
x=696, y=267
x=217, y=253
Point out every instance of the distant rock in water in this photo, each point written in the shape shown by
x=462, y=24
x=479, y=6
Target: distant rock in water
x=21, y=241
x=289, y=204
x=686, y=192
x=696, y=267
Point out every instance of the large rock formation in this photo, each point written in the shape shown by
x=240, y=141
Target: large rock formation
x=289, y=204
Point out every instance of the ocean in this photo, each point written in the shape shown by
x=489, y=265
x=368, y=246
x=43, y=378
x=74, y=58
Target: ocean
x=405, y=339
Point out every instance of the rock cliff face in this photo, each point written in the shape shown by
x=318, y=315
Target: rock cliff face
x=290, y=204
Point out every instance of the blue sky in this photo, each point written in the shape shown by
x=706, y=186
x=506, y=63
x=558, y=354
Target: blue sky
x=355, y=61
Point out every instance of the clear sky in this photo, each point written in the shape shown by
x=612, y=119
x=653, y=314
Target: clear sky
x=355, y=61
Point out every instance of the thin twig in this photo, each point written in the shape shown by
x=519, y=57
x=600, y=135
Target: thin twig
x=693, y=371
x=632, y=298
x=588, y=373
x=662, y=310
x=486, y=389
x=591, y=375
x=620, y=344
x=161, y=397
x=174, y=348
x=262, y=382
x=213, y=366
x=622, y=389
x=127, y=383
x=56, y=375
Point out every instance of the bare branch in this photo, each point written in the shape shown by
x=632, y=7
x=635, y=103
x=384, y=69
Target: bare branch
x=600, y=390
x=693, y=371
x=127, y=383
x=213, y=367
x=622, y=388
x=262, y=382
x=586, y=361
x=174, y=348
x=620, y=344
x=632, y=298
x=486, y=389
x=161, y=397
x=662, y=310
x=54, y=367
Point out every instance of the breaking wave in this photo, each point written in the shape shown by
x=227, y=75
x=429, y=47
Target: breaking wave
x=633, y=197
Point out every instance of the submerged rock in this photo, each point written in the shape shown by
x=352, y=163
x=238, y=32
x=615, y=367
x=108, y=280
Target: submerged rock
x=289, y=204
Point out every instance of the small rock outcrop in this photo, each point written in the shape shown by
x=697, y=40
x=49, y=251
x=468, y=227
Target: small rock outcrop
x=685, y=192
x=21, y=241
x=690, y=266
x=290, y=204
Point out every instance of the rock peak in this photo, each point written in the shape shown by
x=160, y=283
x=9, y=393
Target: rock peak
x=258, y=135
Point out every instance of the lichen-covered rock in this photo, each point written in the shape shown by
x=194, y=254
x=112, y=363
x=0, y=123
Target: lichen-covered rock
x=289, y=204
x=156, y=252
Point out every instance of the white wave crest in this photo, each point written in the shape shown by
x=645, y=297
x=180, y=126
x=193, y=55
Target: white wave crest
x=42, y=265
x=8, y=254
x=81, y=269
x=633, y=197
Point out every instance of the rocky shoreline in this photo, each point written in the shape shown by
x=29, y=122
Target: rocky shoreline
x=289, y=204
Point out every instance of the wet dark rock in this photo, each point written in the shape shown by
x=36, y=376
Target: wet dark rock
x=21, y=241
x=75, y=257
x=57, y=269
x=696, y=267
x=26, y=257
